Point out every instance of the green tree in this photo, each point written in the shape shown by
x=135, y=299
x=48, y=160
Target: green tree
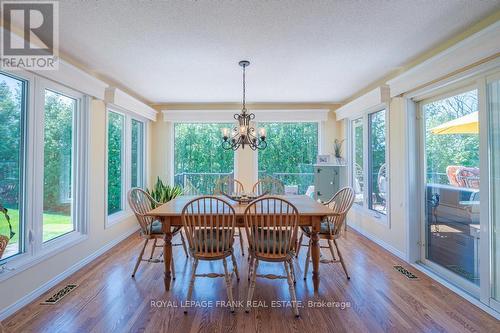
x=58, y=152
x=292, y=149
x=199, y=159
x=444, y=150
x=115, y=151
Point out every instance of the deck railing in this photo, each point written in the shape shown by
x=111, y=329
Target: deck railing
x=204, y=182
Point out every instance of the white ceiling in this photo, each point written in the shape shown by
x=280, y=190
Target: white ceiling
x=301, y=51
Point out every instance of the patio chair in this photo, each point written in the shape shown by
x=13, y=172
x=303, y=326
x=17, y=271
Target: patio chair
x=209, y=223
x=271, y=225
x=151, y=229
x=228, y=186
x=382, y=181
x=468, y=177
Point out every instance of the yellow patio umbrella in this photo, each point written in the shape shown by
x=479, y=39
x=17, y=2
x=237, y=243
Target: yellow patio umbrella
x=468, y=124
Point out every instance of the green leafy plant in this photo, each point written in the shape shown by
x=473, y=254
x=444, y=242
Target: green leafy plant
x=4, y=211
x=162, y=192
x=337, y=148
x=4, y=240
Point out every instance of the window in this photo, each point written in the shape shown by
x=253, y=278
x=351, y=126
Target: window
x=357, y=160
x=377, y=178
x=116, y=126
x=125, y=162
x=58, y=164
x=137, y=154
x=48, y=186
x=290, y=154
x=13, y=93
x=199, y=159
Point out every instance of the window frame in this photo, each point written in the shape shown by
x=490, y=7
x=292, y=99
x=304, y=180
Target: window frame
x=31, y=222
x=364, y=210
x=421, y=101
x=369, y=199
x=353, y=154
x=126, y=160
x=141, y=156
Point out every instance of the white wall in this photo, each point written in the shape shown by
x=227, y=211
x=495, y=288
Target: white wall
x=27, y=281
x=161, y=147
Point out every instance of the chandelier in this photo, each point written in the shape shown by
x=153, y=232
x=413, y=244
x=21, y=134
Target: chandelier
x=243, y=134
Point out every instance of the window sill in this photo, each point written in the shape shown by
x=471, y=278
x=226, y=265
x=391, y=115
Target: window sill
x=22, y=262
x=370, y=214
x=118, y=217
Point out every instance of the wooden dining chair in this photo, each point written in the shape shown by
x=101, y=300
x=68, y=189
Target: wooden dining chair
x=269, y=186
x=271, y=225
x=209, y=223
x=331, y=227
x=228, y=186
x=150, y=228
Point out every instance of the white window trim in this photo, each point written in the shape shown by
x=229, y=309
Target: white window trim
x=143, y=182
x=383, y=219
x=351, y=156
x=35, y=250
x=126, y=212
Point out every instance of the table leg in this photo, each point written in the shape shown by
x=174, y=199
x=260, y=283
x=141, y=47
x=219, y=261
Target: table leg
x=315, y=253
x=167, y=252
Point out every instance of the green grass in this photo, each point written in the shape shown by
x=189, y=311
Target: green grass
x=53, y=225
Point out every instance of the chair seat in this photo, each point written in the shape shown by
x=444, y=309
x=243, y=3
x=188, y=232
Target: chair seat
x=267, y=243
x=326, y=226
x=156, y=228
x=209, y=239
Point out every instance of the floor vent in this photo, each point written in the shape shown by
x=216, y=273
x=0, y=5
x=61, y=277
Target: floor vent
x=405, y=272
x=60, y=294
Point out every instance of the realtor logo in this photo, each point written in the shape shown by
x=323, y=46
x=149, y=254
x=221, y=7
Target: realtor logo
x=30, y=35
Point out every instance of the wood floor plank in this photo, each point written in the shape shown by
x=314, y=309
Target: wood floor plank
x=379, y=298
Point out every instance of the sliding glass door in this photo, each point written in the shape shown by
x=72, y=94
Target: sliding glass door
x=451, y=229
x=493, y=104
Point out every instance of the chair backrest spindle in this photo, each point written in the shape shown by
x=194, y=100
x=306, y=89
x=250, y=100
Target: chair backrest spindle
x=340, y=203
x=209, y=224
x=141, y=203
x=271, y=224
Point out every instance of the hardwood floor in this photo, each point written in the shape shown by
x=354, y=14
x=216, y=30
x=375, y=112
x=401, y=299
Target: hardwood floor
x=376, y=299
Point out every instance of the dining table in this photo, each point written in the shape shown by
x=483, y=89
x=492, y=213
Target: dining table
x=311, y=213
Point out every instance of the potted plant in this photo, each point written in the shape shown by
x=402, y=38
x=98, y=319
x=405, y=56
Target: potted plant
x=337, y=149
x=4, y=240
x=162, y=192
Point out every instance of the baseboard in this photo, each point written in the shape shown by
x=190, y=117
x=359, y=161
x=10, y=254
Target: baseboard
x=401, y=255
x=11, y=309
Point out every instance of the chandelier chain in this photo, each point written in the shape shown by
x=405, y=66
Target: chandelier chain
x=244, y=87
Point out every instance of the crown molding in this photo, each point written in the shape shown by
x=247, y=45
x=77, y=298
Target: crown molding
x=370, y=100
x=474, y=49
x=262, y=115
x=117, y=97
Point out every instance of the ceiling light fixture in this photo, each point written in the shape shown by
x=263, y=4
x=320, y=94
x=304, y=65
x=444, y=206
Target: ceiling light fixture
x=243, y=134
